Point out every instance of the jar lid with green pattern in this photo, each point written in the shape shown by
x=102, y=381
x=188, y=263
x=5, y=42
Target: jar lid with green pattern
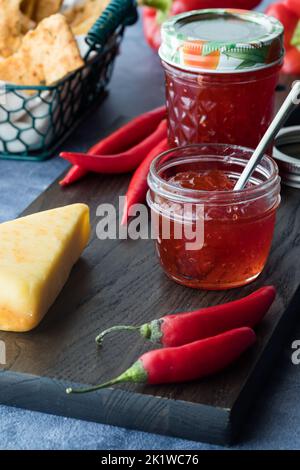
x=222, y=41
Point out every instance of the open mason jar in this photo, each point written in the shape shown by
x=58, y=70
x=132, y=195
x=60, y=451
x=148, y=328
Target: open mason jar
x=213, y=238
x=221, y=71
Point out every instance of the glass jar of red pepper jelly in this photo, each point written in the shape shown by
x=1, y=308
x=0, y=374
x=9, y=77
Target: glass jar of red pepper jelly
x=221, y=70
x=207, y=235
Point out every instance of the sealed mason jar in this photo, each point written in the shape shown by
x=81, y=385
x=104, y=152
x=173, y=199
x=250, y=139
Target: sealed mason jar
x=221, y=71
x=208, y=235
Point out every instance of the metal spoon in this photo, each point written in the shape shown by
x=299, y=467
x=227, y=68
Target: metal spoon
x=286, y=109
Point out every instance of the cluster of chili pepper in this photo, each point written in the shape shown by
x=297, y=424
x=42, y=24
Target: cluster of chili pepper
x=195, y=344
x=122, y=151
x=153, y=17
x=132, y=147
x=138, y=186
x=288, y=12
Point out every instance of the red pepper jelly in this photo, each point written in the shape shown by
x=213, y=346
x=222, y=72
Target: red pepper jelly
x=208, y=235
x=221, y=69
x=210, y=180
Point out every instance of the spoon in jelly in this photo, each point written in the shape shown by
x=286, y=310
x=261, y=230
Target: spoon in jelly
x=286, y=109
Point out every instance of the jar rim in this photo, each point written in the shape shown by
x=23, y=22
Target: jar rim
x=170, y=190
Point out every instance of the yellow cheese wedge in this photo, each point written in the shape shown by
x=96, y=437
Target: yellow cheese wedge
x=37, y=253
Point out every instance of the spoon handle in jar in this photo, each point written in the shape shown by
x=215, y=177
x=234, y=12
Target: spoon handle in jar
x=286, y=109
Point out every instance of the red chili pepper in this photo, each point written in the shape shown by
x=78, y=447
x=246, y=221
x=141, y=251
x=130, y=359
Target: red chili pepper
x=151, y=27
x=287, y=17
x=129, y=135
x=153, y=18
x=288, y=12
x=74, y=174
x=294, y=5
x=292, y=61
x=184, y=328
x=138, y=186
x=120, y=162
x=185, y=363
x=200, y=4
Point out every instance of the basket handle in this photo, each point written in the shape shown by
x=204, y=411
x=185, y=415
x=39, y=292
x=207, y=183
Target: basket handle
x=118, y=12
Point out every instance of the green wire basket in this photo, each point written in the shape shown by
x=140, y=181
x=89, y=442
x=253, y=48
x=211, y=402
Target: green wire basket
x=33, y=125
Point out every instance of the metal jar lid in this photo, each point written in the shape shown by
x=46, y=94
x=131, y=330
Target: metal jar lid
x=222, y=41
x=287, y=155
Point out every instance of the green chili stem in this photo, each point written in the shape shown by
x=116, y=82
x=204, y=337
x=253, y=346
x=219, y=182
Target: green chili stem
x=162, y=5
x=296, y=38
x=136, y=374
x=100, y=337
x=96, y=387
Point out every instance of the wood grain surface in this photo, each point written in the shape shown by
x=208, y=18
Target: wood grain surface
x=121, y=282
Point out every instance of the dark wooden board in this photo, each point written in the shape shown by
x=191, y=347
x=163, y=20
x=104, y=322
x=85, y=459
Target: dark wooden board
x=122, y=282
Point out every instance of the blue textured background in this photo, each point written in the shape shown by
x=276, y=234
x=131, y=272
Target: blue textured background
x=274, y=421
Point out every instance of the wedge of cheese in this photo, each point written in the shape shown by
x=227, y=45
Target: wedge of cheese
x=37, y=253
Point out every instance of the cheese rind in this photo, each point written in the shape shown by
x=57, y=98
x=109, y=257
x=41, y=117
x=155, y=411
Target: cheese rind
x=37, y=253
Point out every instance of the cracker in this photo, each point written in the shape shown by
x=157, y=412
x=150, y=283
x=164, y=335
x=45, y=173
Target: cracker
x=54, y=48
x=28, y=7
x=26, y=24
x=13, y=69
x=46, y=54
x=45, y=8
x=82, y=17
x=10, y=27
x=14, y=23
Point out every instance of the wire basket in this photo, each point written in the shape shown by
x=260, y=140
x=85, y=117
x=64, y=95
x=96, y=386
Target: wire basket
x=35, y=120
